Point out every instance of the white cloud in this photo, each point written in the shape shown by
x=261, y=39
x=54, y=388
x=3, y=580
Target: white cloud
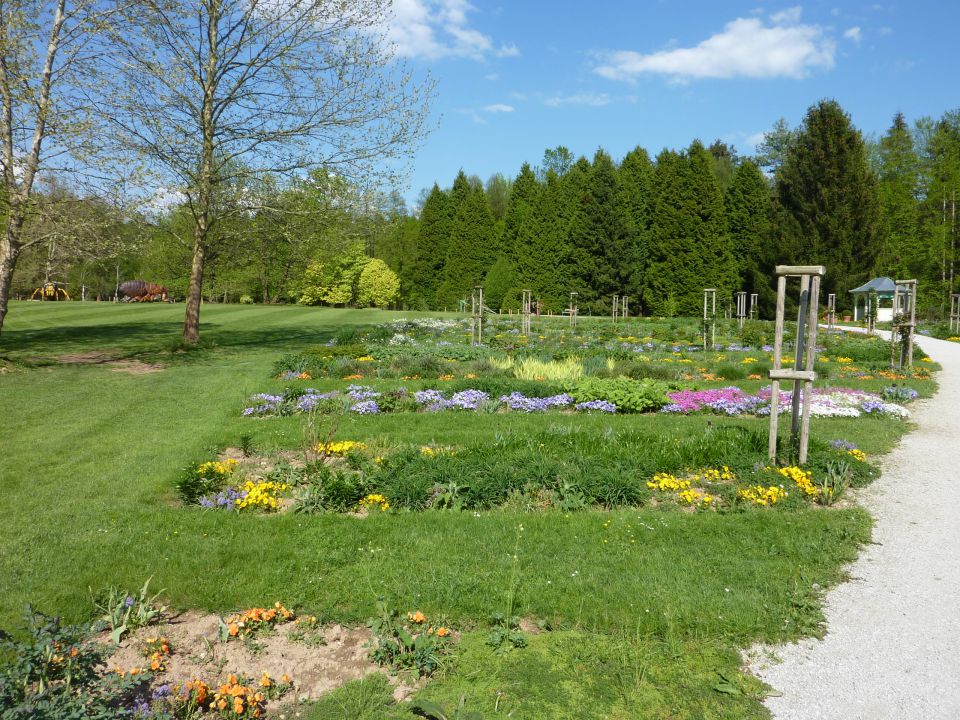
x=439, y=28
x=790, y=16
x=747, y=47
x=591, y=99
x=853, y=34
x=491, y=76
x=886, y=31
x=477, y=114
x=754, y=139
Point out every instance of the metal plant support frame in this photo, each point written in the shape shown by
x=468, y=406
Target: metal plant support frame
x=476, y=316
x=754, y=309
x=527, y=307
x=615, y=309
x=802, y=373
x=741, y=307
x=904, y=323
x=573, y=309
x=709, y=318
x=831, y=310
x=955, y=312
x=624, y=306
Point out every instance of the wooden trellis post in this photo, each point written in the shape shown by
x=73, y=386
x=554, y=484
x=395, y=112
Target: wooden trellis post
x=709, y=317
x=527, y=307
x=873, y=304
x=616, y=309
x=476, y=316
x=572, y=310
x=831, y=310
x=955, y=312
x=624, y=306
x=754, y=309
x=904, y=323
x=741, y=307
x=804, y=357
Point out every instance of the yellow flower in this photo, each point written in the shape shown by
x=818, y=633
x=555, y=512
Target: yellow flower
x=375, y=500
x=759, y=495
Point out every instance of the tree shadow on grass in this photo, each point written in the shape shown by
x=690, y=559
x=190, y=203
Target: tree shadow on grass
x=158, y=341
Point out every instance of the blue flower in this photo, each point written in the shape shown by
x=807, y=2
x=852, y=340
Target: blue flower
x=600, y=405
x=366, y=407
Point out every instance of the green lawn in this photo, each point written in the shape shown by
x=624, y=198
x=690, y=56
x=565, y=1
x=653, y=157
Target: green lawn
x=639, y=629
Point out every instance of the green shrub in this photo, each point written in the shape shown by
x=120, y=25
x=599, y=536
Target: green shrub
x=630, y=396
x=654, y=371
x=54, y=673
x=732, y=371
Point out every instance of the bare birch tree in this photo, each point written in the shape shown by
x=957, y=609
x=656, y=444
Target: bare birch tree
x=46, y=52
x=217, y=88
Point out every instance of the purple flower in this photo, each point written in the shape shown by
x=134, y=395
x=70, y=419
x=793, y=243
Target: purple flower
x=519, y=401
x=843, y=445
x=366, y=407
x=225, y=499
x=468, y=399
x=309, y=401
x=161, y=692
x=361, y=392
x=872, y=406
x=599, y=405
x=428, y=397
x=128, y=602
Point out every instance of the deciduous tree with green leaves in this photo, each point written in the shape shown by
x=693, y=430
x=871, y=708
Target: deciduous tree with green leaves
x=216, y=90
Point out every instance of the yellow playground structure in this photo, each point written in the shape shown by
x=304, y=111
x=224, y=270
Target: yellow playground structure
x=51, y=291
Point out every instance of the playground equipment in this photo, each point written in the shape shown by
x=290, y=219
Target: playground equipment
x=142, y=291
x=51, y=291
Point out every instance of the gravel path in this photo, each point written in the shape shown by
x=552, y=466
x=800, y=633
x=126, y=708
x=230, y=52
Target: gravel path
x=892, y=648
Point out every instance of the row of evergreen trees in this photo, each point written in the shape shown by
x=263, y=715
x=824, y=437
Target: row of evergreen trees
x=661, y=230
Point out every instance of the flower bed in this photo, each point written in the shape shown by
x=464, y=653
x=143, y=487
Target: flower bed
x=826, y=402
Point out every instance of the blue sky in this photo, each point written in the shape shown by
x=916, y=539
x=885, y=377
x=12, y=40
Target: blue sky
x=515, y=78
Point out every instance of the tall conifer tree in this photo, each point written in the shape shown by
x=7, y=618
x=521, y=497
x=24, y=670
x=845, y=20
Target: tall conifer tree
x=636, y=188
x=432, y=239
x=826, y=186
x=898, y=187
x=747, y=203
x=472, y=248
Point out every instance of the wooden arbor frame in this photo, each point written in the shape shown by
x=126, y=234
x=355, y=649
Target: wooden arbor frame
x=709, y=317
x=741, y=298
x=955, y=312
x=527, y=309
x=904, y=323
x=476, y=316
x=802, y=373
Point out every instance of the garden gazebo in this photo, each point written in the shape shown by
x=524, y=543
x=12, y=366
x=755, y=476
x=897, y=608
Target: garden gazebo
x=884, y=288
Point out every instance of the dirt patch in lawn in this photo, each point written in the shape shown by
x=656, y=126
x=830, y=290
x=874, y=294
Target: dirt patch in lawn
x=111, y=359
x=315, y=659
x=91, y=357
x=134, y=367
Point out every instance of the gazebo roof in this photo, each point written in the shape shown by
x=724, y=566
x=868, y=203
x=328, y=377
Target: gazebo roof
x=879, y=285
